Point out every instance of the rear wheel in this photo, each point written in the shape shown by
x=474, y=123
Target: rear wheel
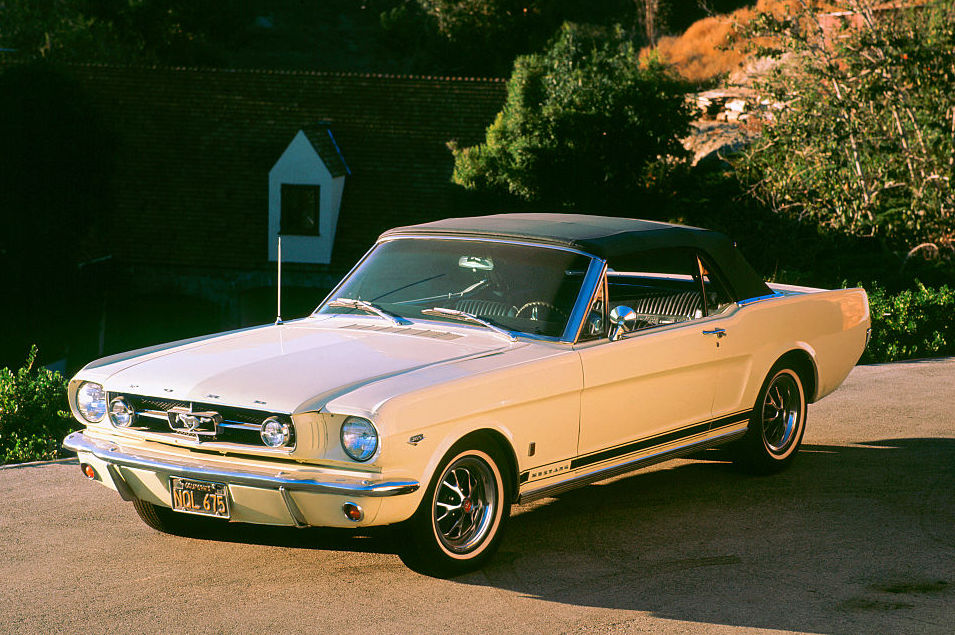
x=777, y=424
x=461, y=518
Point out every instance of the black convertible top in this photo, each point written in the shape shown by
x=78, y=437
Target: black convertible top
x=610, y=238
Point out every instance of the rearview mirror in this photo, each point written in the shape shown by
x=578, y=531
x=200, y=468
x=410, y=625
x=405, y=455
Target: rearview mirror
x=623, y=319
x=476, y=263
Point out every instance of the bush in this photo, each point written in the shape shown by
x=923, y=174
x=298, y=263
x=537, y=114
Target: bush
x=865, y=141
x=911, y=324
x=32, y=421
x=584, y=125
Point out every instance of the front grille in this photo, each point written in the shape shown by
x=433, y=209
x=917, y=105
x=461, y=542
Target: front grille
x=238, y=425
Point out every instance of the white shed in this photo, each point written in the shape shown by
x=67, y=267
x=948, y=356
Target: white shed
x=305, y=194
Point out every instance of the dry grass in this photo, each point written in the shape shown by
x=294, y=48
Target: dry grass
x=708, y=49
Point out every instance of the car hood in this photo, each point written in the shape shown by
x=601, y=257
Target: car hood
x=292, y=367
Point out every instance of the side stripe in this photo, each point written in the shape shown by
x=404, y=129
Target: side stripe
x=649, y=442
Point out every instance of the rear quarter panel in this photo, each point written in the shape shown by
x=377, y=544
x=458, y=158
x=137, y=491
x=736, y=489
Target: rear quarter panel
x=830, y=326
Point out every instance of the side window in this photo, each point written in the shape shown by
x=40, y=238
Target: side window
x=717, y=296
x=662, y=286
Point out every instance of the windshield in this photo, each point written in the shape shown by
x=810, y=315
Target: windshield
x=518, y=287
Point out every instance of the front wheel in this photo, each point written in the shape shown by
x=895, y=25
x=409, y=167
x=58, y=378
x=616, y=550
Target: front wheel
x=168, y=521
x=777, y=423
x=461, y=518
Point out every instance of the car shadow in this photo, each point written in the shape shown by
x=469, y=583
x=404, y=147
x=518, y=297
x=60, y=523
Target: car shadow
x=850, y=538
x=364, y=540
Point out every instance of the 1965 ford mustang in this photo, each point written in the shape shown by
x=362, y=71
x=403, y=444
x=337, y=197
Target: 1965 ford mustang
x=464, y=365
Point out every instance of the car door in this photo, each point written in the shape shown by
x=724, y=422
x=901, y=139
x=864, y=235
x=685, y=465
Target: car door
x=658, y=380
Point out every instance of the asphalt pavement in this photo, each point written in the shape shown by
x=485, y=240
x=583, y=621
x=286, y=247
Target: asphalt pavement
x=857, y=537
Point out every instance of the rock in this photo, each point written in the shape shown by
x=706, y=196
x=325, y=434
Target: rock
x=712, y=141
x=736, y=105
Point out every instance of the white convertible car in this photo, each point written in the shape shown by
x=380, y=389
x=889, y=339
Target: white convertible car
x=462, y=366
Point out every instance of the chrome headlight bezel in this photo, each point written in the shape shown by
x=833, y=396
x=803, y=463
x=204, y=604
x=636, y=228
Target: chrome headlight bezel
x=359, y=439
x=90, y=401
x=275, y=433
x=119, y=408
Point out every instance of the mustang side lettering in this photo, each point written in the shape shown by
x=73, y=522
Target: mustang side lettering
x=462, y=366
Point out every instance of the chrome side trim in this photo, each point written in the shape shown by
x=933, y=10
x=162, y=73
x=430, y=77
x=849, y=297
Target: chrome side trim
x=629, y=466
x=748, y=301
x=264, y=478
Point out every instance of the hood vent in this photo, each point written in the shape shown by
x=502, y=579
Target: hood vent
x=404, y=330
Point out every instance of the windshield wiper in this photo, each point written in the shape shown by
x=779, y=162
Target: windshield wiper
x=464, y=316
x=368, y=307
x=405, y=286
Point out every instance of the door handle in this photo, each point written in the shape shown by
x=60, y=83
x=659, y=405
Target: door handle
x=717, y=332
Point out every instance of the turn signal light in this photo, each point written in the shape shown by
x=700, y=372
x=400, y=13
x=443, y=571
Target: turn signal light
x=353, y=512
x=88, y=471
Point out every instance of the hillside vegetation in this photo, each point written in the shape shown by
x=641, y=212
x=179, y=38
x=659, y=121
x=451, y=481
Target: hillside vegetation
x=715, y=46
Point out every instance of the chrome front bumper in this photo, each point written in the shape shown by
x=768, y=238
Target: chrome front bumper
x=275, y=479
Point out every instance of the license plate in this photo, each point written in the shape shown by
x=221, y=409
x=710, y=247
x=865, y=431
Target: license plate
x=200, y=497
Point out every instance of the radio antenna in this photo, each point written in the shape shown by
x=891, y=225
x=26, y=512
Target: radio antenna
x=278, y=309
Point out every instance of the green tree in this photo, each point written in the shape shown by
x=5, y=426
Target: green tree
x=486, y=35
x=866, y=141
x=583, y=125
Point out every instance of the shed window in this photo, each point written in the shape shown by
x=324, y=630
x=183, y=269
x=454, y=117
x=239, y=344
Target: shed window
x=300, y=206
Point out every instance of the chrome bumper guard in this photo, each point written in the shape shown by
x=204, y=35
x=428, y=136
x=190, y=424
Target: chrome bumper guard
x=279, y=480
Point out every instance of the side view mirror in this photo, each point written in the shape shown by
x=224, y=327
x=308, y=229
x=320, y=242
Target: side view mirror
x=623, y=319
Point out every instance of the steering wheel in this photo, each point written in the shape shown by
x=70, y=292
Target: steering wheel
x=540, y=303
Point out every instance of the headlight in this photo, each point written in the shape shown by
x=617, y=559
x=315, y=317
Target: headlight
x=121, y=413
x=275, y=433
x=91, y=401
x=359, y=438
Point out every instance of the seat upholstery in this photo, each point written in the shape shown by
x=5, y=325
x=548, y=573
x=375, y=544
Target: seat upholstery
x=676, y=304
x=489, y=308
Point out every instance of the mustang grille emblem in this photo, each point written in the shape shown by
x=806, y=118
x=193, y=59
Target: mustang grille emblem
x=185, y=421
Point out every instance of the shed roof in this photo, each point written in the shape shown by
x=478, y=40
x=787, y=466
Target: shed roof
x=321, y=137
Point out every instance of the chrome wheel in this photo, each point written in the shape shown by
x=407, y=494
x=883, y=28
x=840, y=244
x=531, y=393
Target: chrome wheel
x=459, y=522
x=465, y=504
x=782, y=409
x=777, y=423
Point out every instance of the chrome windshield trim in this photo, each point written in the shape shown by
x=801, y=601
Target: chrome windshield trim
x=583, y=309
x=265, y=478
